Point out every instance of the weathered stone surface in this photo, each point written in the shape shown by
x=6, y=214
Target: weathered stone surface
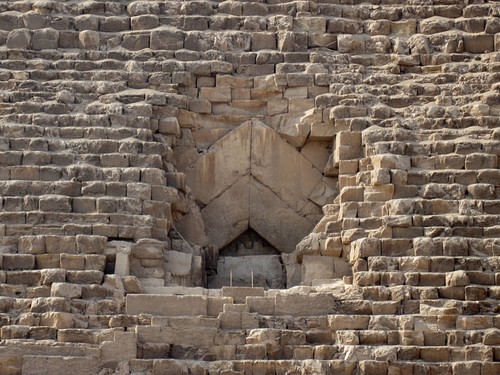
x=89, y=40
x=166, y=305
x=226, y=162
x=45, y=39
x=270, y=216
x=19, y=39
x=59, y=365
x=277, y=165
x=138, y=139
x=232, y=210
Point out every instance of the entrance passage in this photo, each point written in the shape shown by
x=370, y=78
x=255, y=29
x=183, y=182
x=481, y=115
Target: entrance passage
x=249, y=257
x=253, y=179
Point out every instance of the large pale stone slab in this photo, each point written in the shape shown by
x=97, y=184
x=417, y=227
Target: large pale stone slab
x=279, y=166
x=33, y=364
x=224, y=163
x=226, y=217
x=178, y=263
x=304, y=305
x=195, y=336
x=165, y=305
x=316, y=267
x=123, y=347
x=272, y=219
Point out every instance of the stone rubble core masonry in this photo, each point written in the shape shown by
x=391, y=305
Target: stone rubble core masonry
x=158, y=157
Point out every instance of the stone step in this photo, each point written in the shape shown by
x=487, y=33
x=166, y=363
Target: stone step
x=440, y=153
x=78, y=191
x=425, y=246
x=125, y=227
x=32, y=308
x=51, y=203
x=457, y=177
x=30, y=357
x=433, y=263
x=71, y=140
x=45, y=128
x=436, y=279
x=314, y=366
x=81, y=172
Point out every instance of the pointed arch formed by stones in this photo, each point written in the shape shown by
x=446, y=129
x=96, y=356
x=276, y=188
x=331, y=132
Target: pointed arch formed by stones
x=252, y=178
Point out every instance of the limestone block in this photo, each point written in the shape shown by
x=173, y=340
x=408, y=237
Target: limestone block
x=270, y=217
x=304, y=305
x=263, y=41
x=59, y=365
x=200, y=106
x=271, y=166
x=457, y=278
x=49, y=276
x=477, y=43
x=347, y=146
x=168, y=366
x=84, y=277
x=165, y=305
x=351, y=43
x=290, y=42
x=332, y=247
x=224, y=164
x=455, y=246
x=317, y=267
x=230, y=320
x=169, y=125
x=310, y=24
x=167, y=40
x=19, y=39
x=143, y=249
x=144, y=22
x=216, y=304
x=132, y=284
x=378, y=44
x=481, y=191
x=261, y=305
x=28, y=278
x=347, y=338
x=352, y=194
x=56, y=203
x=380, y=177
x=65, y=290
x=390, y=161
x=87, y=244
x=234, y=204
x=47, y=261
x=344, y=26
x=25, y=173
x=178, y=264
x=123, y=347
x=481, y=161
x=45, y=39
x=380, y=193
x=114, y=24
x=135, y=42
x=12, y=262
x=72, y=261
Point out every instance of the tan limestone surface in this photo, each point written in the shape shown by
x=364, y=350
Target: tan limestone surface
x=344, y=151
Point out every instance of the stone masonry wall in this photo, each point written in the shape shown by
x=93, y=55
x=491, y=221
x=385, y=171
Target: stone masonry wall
x=359, y=139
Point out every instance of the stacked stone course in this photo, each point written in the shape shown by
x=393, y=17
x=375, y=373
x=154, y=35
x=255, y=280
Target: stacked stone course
x=359, y=139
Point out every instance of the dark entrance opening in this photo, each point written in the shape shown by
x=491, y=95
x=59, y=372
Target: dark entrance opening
x=249, y=257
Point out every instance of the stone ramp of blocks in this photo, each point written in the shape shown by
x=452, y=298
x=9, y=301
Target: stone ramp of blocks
x=276, y=331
